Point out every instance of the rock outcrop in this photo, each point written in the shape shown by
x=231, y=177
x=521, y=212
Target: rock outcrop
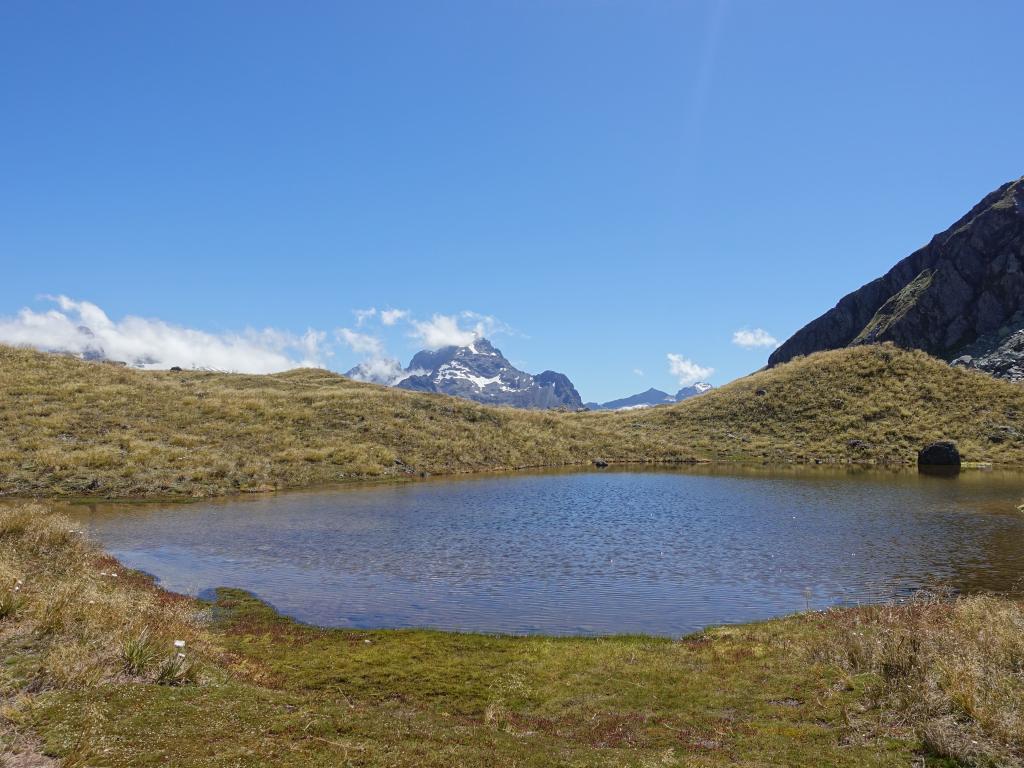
x=939, y=454
x=961, y=294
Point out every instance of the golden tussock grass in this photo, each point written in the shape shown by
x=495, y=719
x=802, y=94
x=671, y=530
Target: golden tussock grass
x=72, y=428
x=949, y=672
x=75, y=610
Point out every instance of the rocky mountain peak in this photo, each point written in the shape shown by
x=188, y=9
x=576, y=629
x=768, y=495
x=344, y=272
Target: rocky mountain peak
x=650, y=398
x=960, y=295
x=479, y=371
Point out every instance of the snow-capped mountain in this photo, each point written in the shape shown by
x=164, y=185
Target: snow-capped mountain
x=478, y=371
x=643, y=399
x=697, y=389
x=651, y=398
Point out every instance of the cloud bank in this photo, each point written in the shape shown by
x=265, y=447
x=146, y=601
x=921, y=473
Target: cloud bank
x=82, y=328
x=750, y=339
x=686, y=371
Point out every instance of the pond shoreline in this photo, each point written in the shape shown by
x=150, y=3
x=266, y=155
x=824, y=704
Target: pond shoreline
x=587, y=466
x=636, y=549
x=809, y=689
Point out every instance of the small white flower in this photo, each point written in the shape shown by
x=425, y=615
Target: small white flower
x=179, y=643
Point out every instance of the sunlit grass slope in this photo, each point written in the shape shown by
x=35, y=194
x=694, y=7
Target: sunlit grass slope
x=866, y=403
x=74, y=428
x=90, y=678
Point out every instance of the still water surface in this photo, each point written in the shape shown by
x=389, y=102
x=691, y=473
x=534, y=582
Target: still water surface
x=659, y=552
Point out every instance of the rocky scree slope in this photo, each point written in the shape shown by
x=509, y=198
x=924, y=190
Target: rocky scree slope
x=960, y=297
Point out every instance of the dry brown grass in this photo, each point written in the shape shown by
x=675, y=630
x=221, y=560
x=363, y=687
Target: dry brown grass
x=70, y=611
x=949, y=673
x=73, y=428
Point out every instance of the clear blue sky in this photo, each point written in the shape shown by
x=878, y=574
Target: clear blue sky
x=615, y=181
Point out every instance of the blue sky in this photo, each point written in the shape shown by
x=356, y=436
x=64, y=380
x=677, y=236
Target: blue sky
x=609, y=182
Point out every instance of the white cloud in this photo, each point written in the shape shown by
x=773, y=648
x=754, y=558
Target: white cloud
x=82, y=328
x=758, y=337
x=448, y=330
x=487, y=325
x=380, y=370
x=442, y=331
x=360, y=343
x=686, y=371
x=362, y=315
x=392, y=316
x=376, y=366
x=638, y=372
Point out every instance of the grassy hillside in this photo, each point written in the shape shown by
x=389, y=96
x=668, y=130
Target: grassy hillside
x=868, y=403
x=74, y=428
x=91, y=676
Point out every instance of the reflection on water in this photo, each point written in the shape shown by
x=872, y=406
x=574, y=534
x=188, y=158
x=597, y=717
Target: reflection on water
x=661, y=552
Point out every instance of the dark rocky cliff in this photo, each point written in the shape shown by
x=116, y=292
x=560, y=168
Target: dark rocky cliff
x=961, y=294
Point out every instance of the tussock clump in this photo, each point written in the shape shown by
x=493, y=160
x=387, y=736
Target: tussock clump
x=138, y=652
x=950, y=672
x=69, y=616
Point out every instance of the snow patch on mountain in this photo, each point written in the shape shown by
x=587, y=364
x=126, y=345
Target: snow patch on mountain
x=478, y=371
x=651, y=398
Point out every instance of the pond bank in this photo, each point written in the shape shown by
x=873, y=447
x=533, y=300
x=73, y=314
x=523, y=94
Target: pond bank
x=840, y=687
x=621, y=550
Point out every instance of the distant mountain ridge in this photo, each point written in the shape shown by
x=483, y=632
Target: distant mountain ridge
x=478, y=371
x=650, y=398
x=960, y=297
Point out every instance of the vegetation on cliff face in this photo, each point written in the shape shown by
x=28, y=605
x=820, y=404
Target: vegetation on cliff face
x=960, y=294
x=91, y=676
x=73, y=428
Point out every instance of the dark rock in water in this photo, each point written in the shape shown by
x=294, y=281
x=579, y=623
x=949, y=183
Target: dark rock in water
x=943, y=453
x=960, y=297
x=601, y=463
